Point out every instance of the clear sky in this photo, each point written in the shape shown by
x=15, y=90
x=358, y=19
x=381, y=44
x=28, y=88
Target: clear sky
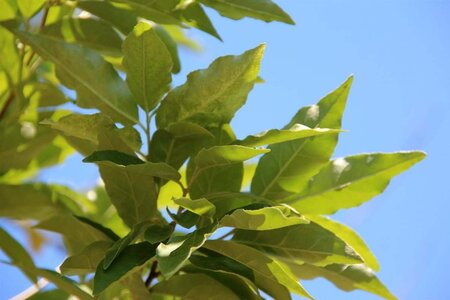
x=399, y=52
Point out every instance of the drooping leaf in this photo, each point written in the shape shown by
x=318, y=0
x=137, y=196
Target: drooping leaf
x=63, y=283
x=190, y=286
x=350, y=181
x=158, y=232
x=275, y=136
x=87, y=32
x=287, y=169
x=148, y=66
x=131, y=257
x=173, y=145
x=155, y=11
x=87, y=260
x=115, y=157
x=270, y=275
x=186, y=219
x=212, y=96
x=264, y=10
x=226, y=202
x=122, y=19
x=345, y=277
x=193, y=14
x=266, y=218
x=349, y=236
x=305, y=243
x=201, y=207
x=176, y=252
x=97, y=84
x=18, y=255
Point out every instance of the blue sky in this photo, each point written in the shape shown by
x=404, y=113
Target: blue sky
x=399, y=53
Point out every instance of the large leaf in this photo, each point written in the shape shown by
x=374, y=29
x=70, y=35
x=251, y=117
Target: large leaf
x=87, y=260
x=18, y=255
x=275, y=136
x=212, y=96
x=266, y=218
x=131, y=257
x=176, y=252
x=173, y=145
x=305, y=243
x=350, y=181
x=28, y=8
x=271, y=276
x=345, y=277
x=288, y=167
x=348, y=236
x=148, y=66
x=264, y=10
x=193, y=287
x=122, y=19
x=97, y=84
x=90, y=33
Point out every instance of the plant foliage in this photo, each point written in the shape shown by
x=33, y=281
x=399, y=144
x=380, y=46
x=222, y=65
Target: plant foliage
x=152, y=229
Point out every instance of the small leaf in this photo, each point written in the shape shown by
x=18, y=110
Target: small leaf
x=18, y=255
x=87, y=260
x=201, y=207
x=193, y=14
x=350, y=181
x=158, y=232
x=148, y=66
x=190, y=286
x=346, y=277
x=266, y=218
x=176, y=252
x=306, y=243
x=226, y=202
x=264, y=10
x=212, y=96
x=275, y=136
x=348, y=236
x=113, y=156
x=287, y=169
x=131, y=257
x=271, y=276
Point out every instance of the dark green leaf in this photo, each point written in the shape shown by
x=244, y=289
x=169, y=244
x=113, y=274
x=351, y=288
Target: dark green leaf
x=346, y=277
x=201, y=207
x=264, y=10
x=350, y=181
x=172, y=47
x=18, y=255
x=153, y=10
x=87, y=260
x=287, y=169
x=305, y=243
x=113, y=156
x=131, y=257
x=212, y=96
x=271, y=276
x=148, y=66
x=158, y=232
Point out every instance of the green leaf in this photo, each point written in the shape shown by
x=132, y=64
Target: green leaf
x=121, y=244
x=131, y=257
x=9, y=10
x=275, y=136
x=87, y=260
x=287, y=169
x=305, y=243
x=122, y=19
x=176, y=143
x=77, y=234
x=18, y=255
x=264, y=10
x=97, y=83
x=201, y=207
x=176, y=252
x=193, y=14
x=158, y=232
x=350, y=181
x=349, y=236
x=346, y=277
x=45, y=94
x=153, y=10
x=50, y=295
x=271, y=276
x=226, y=202
x=28, y=8
x=148, y=66
x=266, y=218
x=116, y=157
x=190, y=286
x=90, y=33
x=212, y=96
x=171, y=45
x=63, y=283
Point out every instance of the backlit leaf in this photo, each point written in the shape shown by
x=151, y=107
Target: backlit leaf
x=87, y=260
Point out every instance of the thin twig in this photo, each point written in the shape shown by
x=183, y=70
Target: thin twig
x=154, y=273
x=226, y=234
x=7, y=104
x=43, y=21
